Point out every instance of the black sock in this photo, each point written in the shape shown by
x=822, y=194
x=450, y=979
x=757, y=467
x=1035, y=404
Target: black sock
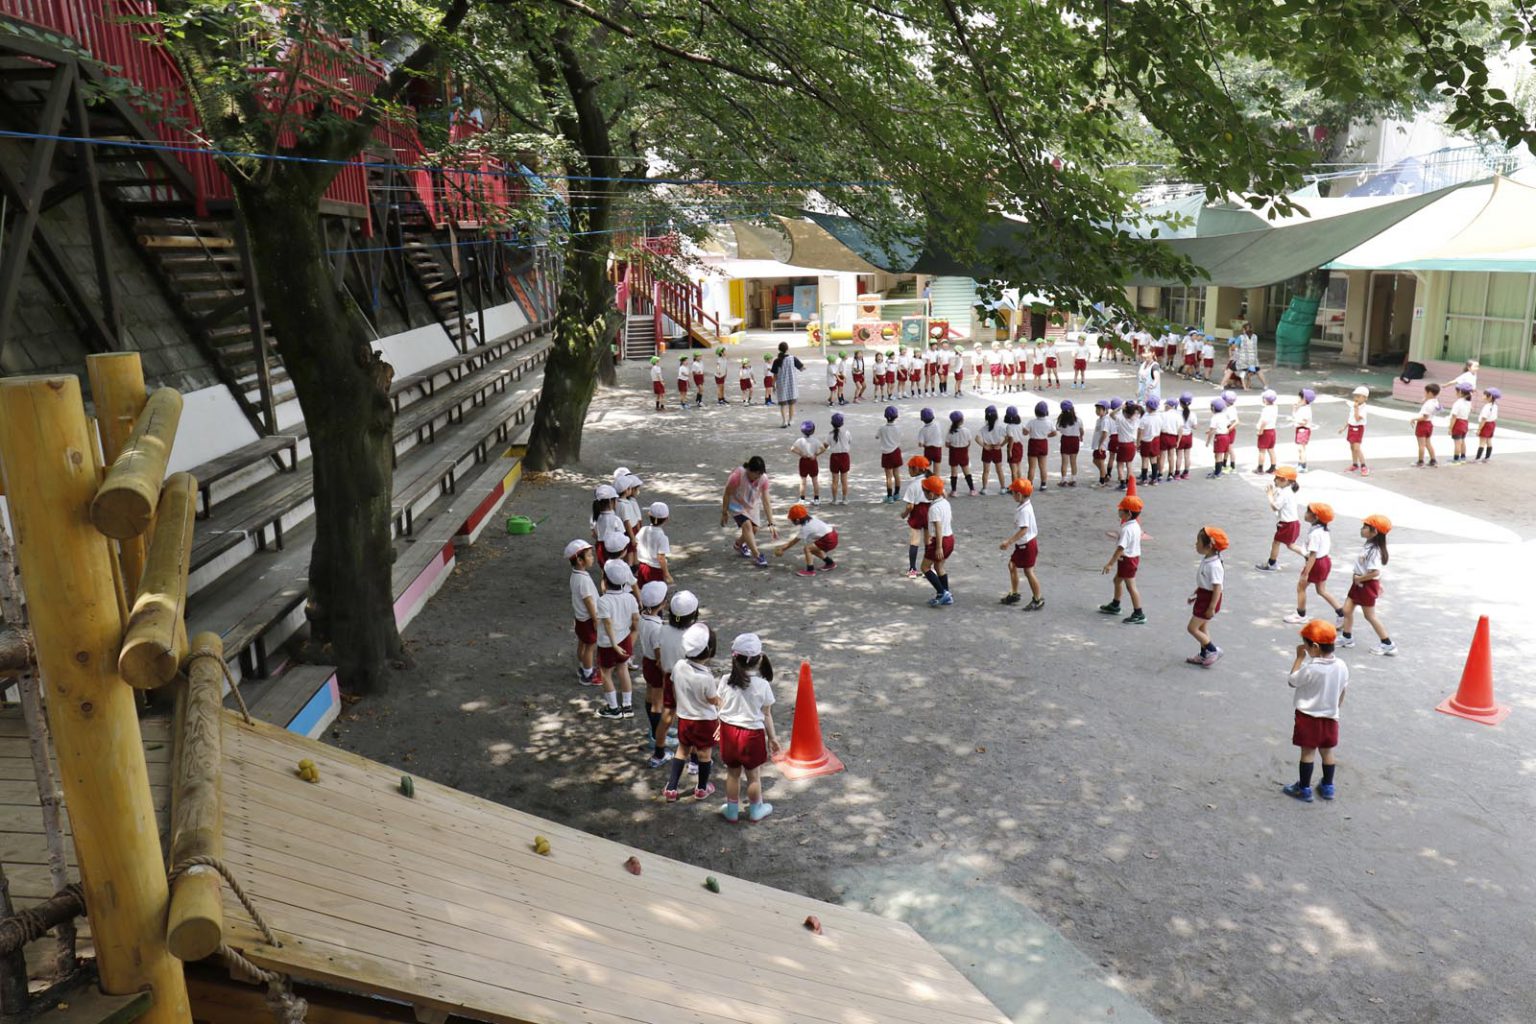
x=1489, y=449
x=933, y=581
x=675, y=775
x=1306, y=773
x=1328, y=774
x=704, y=767
x=1271, y=561
x=912, y=556
x=654, y=717
x=1386, y=641
x=969, y=482
x=954, y=482
x=1347, y=636
x=827, y=562
x=945, y=581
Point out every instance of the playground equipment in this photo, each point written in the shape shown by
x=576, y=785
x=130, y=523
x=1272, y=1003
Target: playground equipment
x=362, y=897
x=871, y=321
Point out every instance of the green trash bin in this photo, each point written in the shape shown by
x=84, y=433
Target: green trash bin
x=1293, y=334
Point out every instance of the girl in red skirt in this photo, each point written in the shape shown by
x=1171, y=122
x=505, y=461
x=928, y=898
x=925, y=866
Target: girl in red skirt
x=1354, y=429
x=1319, y=563
x=1319, y=680
x=697, y=692
x=744, y=378
x=1013, y=430
x=993, y=438
x=1424, y=423
x=1052, y=377
x=1365, y=587
x=1269, y=418
x=839, y=458
x=817, y=537
x=1282, y=499
x=809, y=450
x=958, y=440
x=1039, y=431
x=767, y=378
x=747, y=737
x=916, y=510
x=1301, y=419
x=1070, y=430
x=1210, y=542
x=1487, y=420
x=658, y=384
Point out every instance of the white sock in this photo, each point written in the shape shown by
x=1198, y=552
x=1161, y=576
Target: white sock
x=612, y=699
x=628, y=699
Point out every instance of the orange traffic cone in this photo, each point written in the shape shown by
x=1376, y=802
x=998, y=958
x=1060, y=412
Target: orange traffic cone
x=1474, y=697
x=1130, y=486
x=807, y=756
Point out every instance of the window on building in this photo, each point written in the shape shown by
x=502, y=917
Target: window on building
x=1328, y=328
x=1183, y=307
x=1488, y=318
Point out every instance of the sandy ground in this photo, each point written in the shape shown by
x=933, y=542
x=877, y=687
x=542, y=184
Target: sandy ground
x=1056, y=759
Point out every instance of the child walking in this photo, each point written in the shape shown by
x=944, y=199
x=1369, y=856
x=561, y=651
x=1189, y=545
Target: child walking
x=809, y=449
x=583, y=608
x=1354, y=429
x=1301, y=419
x=992, y=437
x=1210, y=542
x=915, y=503
x=1365, y=586
x=1282, y=499
x=839, y=458
x=939, y=541
x=958, y=440
x=1319, y=680
x=1025, y=547
x=889, y=438
x=747, y=737
x=817, y=538
x=618, y=617
x=1487, y=421
x=1071, y=433
x=1424, y=423
x=697, y=692
x=1269, y=418
x=682, y=612
x=1125, y=561
x=653, y=600
x=1314, y=572
x=1461, y=418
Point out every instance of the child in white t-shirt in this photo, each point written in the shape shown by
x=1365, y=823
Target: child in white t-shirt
x=1210, y=542
x=817, y=537
x=1282, y=499
x=1354, y=429
x=1023, y=545
x=1080, y=356
x=653, y=601
x=1301, y=419
x=809, y=448
x=747, y=737
x=1269, y=419
x=1487, y=422
x=697, y=693
x=889, y=439
x=1314, y=572
x=1126, y=560
x=833, y=378
x=583, y=608
x=1100, y=442
x=1070, y=429
x=722, y=368
x=1424, y=424
x=840, y=458
x=618, y=616
x=1320, y=681
x=1038, y=432
x=1365, y=585
x=652, y=548
x=958, y=441
x=745, y=377
x=658, y=384
x=1461, y=418
x=1207, y=358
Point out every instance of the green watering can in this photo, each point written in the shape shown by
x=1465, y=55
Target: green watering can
x=518, y=526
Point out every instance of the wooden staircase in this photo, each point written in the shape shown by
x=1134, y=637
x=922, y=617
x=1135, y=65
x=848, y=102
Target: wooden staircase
x=440, y=285
x=639, y=336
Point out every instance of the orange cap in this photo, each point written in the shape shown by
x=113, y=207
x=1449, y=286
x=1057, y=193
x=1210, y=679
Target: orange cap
x=933, y=485
x=1285, y=472
x=1023, y=487
x=1319, y=632
x=1322, y=510
x=797, y=512
x=1379, y=523
x=918, y=462
x=1217, y=537
x=1130, y=503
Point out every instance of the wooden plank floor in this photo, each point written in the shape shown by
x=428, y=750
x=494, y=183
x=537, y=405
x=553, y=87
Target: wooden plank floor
x=440, y=901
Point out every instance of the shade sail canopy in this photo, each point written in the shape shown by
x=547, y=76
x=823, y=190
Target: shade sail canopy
x=1481, y=227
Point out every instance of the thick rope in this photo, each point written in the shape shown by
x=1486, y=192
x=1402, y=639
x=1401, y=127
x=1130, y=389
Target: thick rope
x=285, y=1006
x=234, y=687
x=27, y=924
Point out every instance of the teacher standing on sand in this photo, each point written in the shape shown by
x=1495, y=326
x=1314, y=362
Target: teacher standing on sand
x=786, y=383
x=746, y=501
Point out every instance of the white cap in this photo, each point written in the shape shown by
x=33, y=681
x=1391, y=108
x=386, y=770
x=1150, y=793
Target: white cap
x=604, y=493
x=575, y=548
x=748, y=645
x=618, y=573
x=653, y=593
x=684, y=603
x=620, y=474
x=616, y=541
x=1362, y=390
x=695, y=639
x=659, y=510
x=630, y=481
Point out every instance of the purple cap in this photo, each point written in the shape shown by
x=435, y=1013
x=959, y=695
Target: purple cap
x=1102, y=403
x=1229, y=397
x=837, y=419
x=1308, y=395
x=1464, y=387
x=926, y=415
x=991, y=412
x=1152, y=402
x=1268, y=396
x=1494, y=393
x=890, y=412
x=1217, y=405
x=808, y=427
x=957, y=417
x=1041, y=408
x=1186, y=398
x=1115, y=403
x=1066, y=405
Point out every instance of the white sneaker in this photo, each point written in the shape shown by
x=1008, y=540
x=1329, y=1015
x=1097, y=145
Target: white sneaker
x=1346, y=641
x=1294, y=619
x=1386, y=650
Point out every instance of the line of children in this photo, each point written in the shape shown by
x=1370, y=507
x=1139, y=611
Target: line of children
x=1210, y=578
x=1025, y=548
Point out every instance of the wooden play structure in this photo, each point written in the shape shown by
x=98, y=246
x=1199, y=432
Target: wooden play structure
x=233, y=872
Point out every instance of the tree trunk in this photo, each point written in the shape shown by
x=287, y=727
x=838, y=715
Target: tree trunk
x=343, y=388
x=585, y=320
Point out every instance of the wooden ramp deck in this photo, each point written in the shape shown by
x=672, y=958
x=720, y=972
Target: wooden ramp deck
x=440, y=902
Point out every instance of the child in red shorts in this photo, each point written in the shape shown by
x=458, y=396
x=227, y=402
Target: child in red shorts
x=1424, y=423
x=618, y=617
x=1319, y=564
x=915, y=510
x=1319, y=681
x=584, y=608
x=1365, y=585
x=1126, y=560
x=817, y=537
x=682, y=612
x=696, y=691
x=1025, y=547
x=1210, y=542
x=653, y=599
x=747, y=737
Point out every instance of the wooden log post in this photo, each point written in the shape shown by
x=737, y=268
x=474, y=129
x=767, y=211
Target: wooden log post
x=15, y=651
x=196, y=925
x=156, y=640
x=119, y=394
x=127, y=498
x=66, y=570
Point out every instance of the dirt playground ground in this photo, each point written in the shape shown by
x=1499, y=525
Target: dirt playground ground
x=1058, y=760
